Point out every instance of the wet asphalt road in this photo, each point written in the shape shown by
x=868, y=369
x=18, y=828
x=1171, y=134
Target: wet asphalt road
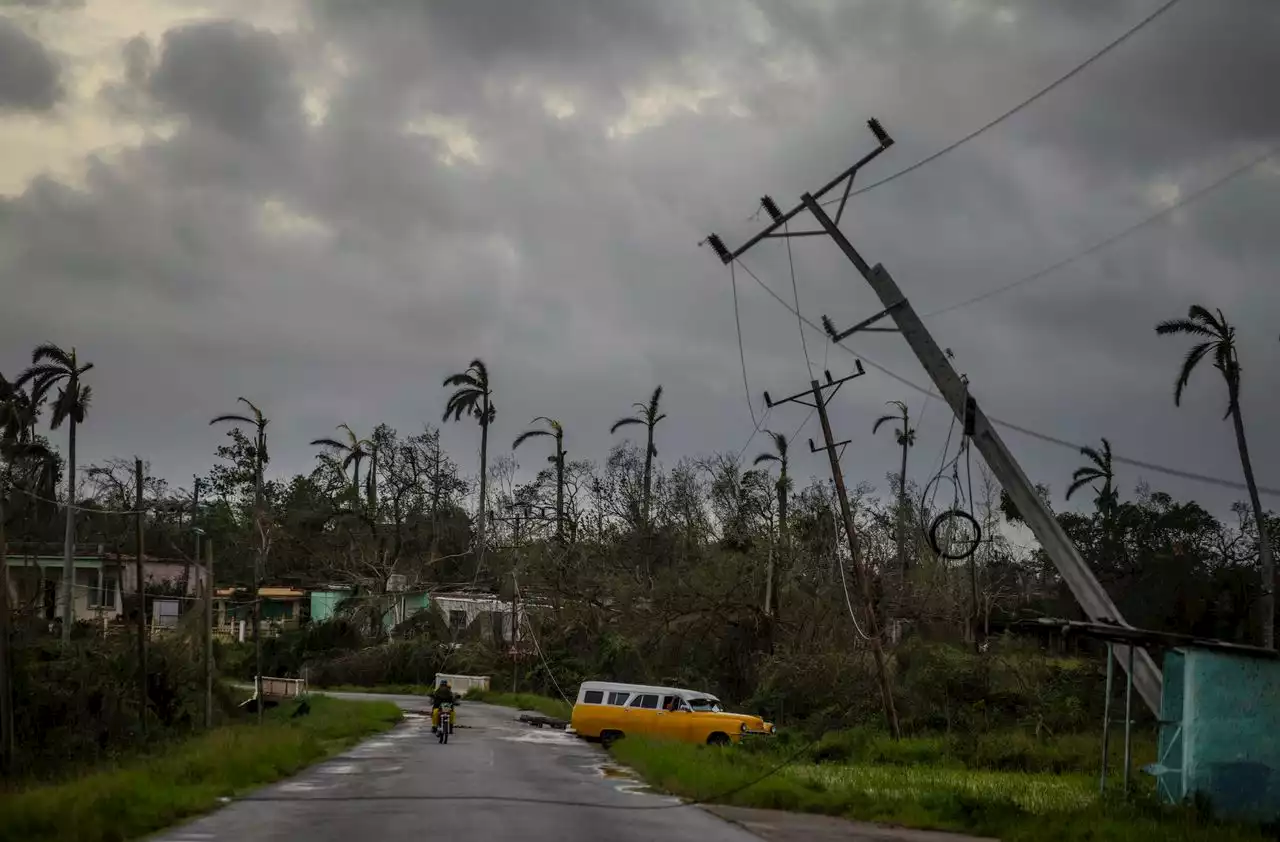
x=497, y=779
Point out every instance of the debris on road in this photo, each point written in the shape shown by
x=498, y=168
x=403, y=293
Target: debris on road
x=539, y=721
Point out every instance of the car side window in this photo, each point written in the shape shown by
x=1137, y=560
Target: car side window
x=646, y=701
x=618, y=698
x=593, y=697
x=672, y=703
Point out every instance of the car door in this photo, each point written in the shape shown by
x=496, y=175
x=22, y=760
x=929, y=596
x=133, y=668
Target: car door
x=642, y=715
x=673, y=719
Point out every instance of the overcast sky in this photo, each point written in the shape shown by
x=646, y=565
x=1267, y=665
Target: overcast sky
x=329, y=206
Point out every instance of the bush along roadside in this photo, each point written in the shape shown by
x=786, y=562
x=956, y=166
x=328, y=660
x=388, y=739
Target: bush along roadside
x=147, y=794
x=1011, y=806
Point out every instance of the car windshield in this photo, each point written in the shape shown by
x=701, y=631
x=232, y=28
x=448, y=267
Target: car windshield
x=705, y=704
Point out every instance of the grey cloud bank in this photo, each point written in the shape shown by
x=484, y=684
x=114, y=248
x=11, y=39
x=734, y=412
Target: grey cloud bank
x=341, y=213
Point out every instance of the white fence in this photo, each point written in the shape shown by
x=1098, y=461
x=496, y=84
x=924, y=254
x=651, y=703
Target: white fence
x=283, y=688
x=461, y=684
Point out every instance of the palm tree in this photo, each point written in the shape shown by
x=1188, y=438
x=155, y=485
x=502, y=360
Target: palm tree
x=647, y=416
x=554, y=429
x=783, y=485
x=51, y=366
x=19, y=410
x=258, y=451
x=353, y=451
x=906, y=437
x=474, y=397
x=1100, y=470
x=1220, y=342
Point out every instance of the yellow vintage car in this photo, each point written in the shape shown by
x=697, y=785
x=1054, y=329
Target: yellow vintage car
x=606, y=711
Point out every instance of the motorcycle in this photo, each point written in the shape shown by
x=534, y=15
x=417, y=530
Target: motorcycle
x=442, y=722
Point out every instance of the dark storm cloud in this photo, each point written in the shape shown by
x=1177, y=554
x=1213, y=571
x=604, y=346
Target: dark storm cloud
x=1198, y=79
x=30, y=77
x=229, y=75
x=566, y=258
x=42, y=4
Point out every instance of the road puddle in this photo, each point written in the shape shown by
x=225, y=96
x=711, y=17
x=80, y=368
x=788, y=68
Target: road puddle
x=542, y=736
x=626, y=781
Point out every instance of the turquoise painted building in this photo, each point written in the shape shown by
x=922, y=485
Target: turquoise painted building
x=1220, y=732
x=325, y=602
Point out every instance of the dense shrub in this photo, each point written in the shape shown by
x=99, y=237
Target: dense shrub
x=287, y=654
x=80, y=705
x=938, y=687
x=401, y=662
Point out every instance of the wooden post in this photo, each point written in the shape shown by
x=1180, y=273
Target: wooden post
x=142, y=596
x=209, y=591
x=846, y=514
x=7, y=745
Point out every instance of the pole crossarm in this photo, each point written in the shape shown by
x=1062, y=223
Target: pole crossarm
x=864, y=325
x=781, y=219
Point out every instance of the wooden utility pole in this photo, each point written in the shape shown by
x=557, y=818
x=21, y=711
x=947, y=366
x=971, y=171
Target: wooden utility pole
x=523, y=514
x=195, y=528
x=142, y=597
x=902, y=496
x=8, y=762
x=259, y=562
x=515, y=633
x=1084, y=585
x=816, y=392
x=209, y=591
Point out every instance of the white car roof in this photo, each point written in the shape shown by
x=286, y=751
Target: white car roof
x=645, y=688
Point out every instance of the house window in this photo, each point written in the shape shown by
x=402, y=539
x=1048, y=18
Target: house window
x=104, y=596
x=593, y=697
x=457, y=620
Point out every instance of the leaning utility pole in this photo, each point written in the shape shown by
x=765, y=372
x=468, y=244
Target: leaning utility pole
x=1087, y=590
x=816, y=391
x=142, y=597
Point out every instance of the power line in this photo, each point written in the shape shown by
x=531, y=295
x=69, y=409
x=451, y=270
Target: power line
x=742, y=355
x=1012, y=111
x=1045, y=437
x=1102, y=244
x=795, y=292
x=546, y=666
x=754, y=433
x=86, y=509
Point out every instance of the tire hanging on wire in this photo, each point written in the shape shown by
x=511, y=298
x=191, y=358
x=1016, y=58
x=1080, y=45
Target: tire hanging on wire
x=953, y=514
x=970, y=547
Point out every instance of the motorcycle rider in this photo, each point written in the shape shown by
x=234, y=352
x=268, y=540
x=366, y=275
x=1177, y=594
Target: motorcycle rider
x=442, y=694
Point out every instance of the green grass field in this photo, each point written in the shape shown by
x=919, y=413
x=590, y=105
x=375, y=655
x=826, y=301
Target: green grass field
x=523, y=701
x=929, y=792
x=187, y=778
